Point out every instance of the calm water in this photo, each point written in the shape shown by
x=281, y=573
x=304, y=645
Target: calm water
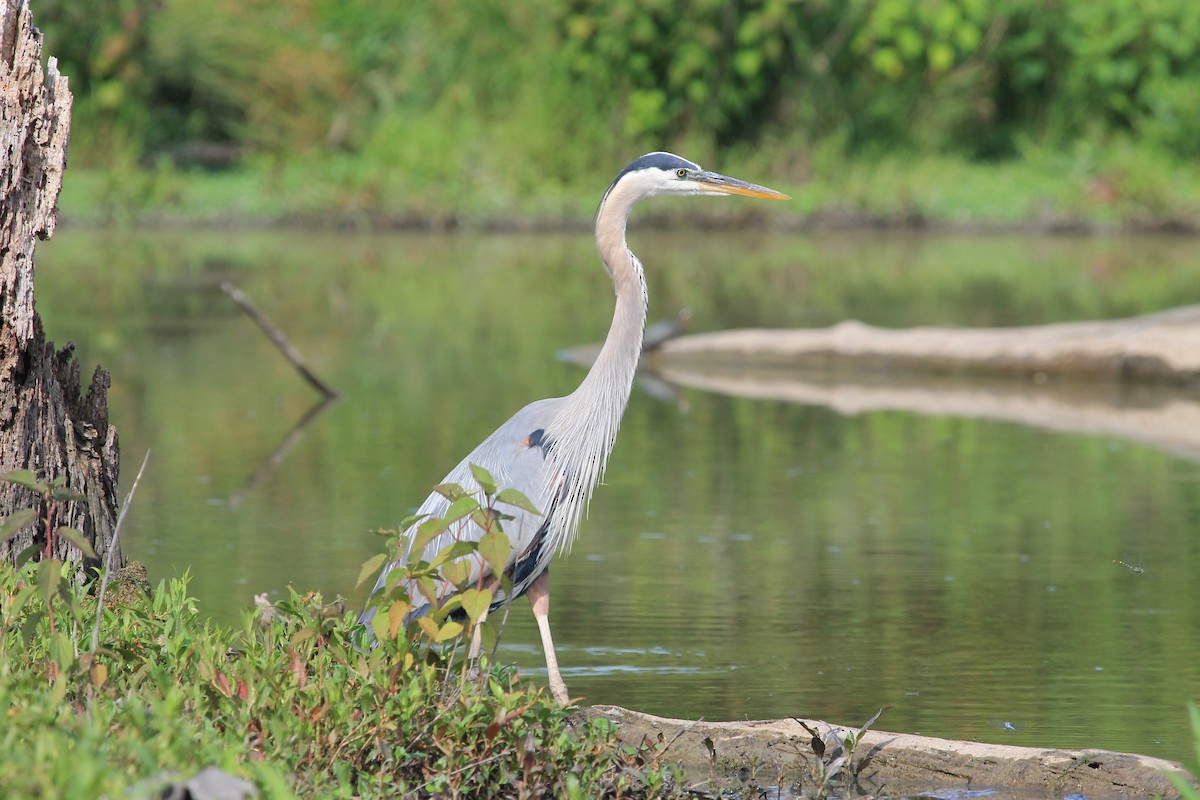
x=751, y=556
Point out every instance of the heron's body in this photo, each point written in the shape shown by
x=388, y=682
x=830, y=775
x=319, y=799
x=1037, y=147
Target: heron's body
x=554, y=451
x=515, y=455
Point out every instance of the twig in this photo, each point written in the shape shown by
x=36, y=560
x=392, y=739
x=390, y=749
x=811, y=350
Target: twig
x=112, y=548
x=278, y=339
x=476, y=764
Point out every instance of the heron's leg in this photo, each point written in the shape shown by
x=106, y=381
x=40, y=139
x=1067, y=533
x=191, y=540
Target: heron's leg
x=539, y=598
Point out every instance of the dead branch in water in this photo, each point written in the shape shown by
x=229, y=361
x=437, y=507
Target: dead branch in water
x=278, y=338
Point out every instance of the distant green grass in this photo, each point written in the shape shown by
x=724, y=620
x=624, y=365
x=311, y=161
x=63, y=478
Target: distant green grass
x=1120, y=187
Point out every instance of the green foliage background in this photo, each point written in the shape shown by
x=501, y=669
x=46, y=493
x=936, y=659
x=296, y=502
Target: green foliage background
x=381, y=100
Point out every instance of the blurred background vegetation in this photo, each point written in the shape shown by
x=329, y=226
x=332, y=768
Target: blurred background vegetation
x=485, y=108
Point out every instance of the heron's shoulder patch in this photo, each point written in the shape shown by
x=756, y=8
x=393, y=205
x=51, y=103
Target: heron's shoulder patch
x=537, y=438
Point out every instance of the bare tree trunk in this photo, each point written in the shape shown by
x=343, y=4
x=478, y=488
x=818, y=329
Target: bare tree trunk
x=45, y=425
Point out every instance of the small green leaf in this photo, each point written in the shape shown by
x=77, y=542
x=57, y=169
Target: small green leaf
x=452, y=551
x=429, y=627
x=867, y=725
x=394, y=577
x=457, y=572
x=426, y=532
x=475, y=602
x=410, y=520
x=428, y=589
x=380, y=625
x=460, y=508
x=98, y=674
x=49, y=574
x=512, y=497
x=448, y=631
x=484, y=479
x=451, y=604
x=26, y=554
x=301, y=636
x=76, y=537
x=22, y=597
x=496, y=550
x=370, y=567
x=65, y=494
x=450, y=491
x=396, y=614
x=31, y=626
x=26, y=478
x=14, y=522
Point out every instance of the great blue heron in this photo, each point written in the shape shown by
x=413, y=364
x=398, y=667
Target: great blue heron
x=554, y=451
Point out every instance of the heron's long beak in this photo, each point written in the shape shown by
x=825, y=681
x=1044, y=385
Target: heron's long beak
x=719, y=184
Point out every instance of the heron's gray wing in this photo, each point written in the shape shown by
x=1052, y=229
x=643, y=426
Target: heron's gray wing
x=515, y=455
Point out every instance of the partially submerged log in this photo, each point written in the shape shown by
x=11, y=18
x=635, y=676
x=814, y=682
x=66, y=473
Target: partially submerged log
x=46, y=425
x=1137, y=376
x=1162, y=348
x=778, y=752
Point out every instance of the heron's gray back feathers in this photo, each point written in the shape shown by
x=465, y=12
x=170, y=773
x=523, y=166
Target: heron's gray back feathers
x=516, y=456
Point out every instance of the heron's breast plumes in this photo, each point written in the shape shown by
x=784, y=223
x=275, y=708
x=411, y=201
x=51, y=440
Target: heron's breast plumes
x=585, y=428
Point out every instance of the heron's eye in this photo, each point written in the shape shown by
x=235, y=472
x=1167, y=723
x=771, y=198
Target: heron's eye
x=681, y=172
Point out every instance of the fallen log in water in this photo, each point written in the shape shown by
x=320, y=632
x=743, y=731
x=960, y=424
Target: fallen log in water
x=1162, y=347
x=1151, y=364
x=779, y=753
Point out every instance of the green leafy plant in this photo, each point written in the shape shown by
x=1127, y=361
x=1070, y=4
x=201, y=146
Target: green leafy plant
x=455, y=585
x=835, y=755
x=52, y=495
x=295, y=699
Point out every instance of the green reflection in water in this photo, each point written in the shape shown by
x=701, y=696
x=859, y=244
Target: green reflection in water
x=747, y=558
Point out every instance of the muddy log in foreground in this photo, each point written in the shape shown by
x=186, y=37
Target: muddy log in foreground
x=1162, y=347
x=778, y=752
x=46, y=426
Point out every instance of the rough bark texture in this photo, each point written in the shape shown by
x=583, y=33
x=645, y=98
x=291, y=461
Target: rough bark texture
x=777, y=752
x=45, y=424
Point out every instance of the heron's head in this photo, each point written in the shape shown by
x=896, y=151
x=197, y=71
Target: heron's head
x=666, y=173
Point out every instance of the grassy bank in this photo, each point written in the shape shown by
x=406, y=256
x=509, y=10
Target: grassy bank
x=1117, y=188
x=131, y=692
x=290, y=701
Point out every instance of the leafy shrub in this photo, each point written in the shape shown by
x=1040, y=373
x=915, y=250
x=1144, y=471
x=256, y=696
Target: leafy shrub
x=295, y=699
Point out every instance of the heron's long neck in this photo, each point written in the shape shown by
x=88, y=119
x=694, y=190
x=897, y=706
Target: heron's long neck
x=606, y=388
x=586, y=426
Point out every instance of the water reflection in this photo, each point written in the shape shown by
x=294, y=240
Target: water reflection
x=1159, y=416
x=280, y=453
x=762, y=548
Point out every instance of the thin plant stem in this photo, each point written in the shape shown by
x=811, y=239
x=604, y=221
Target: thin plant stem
x=108, y=557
